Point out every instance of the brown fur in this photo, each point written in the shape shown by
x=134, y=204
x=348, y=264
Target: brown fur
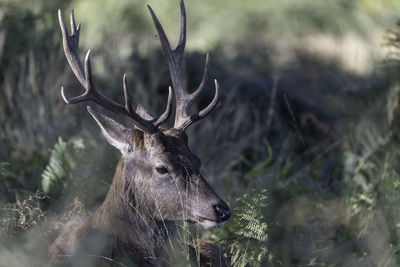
x=138, y=213
x=113, y=227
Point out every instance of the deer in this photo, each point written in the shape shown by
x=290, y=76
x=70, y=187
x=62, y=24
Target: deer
x=157, y=181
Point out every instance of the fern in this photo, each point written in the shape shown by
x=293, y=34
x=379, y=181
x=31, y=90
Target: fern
x=250, y=231
x=61, y=162
x=367, y=166
x=373, y=175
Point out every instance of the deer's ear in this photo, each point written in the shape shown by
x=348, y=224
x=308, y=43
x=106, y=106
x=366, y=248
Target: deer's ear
x=115, y=133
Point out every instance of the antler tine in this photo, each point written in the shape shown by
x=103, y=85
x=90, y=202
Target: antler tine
x=183, y=99
x=167, y=111
x=204, y=112
x=74, y=29
x=173, y=56
x=129, y=107
x=70, y=44
x=128, y=104
x=85, y=77
x=182, y=39
x=199, y=89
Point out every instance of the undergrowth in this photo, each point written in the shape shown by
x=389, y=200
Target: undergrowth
x=22, y=216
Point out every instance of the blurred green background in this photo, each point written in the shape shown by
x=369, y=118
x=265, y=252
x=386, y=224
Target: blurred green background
x=309, y=112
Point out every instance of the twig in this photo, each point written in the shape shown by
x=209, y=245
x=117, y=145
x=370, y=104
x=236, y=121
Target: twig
x=272, y=102
x=95, y=256
x=294, y=122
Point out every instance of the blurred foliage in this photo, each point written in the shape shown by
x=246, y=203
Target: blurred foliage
x=323, y=139
x=28, y=56
x=374, y=182
x=3, y=168
x=212, y=22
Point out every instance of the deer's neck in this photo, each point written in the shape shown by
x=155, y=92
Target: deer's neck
x=127, y=226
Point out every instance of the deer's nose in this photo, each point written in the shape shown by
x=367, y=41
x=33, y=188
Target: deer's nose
x=223, y=212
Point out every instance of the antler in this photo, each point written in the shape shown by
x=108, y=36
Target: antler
x=84, y=76
x=184, y=100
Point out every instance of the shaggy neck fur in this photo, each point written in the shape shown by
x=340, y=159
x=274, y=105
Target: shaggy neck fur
x=118, y=225
x=129, y=225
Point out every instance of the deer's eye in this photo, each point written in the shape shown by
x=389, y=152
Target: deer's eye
x=161, y=170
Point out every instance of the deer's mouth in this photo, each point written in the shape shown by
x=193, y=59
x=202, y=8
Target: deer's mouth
x=208, y=223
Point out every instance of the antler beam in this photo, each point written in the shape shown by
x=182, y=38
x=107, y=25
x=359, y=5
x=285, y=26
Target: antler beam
x=184, y=100
x=85, y=77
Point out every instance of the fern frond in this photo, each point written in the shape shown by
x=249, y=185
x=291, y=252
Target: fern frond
x=62, y=161
x=250, y=231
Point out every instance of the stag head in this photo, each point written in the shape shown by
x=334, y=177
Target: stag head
x=159, y=171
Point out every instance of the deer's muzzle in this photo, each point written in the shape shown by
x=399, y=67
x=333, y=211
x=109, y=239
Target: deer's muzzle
x=222, y=212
